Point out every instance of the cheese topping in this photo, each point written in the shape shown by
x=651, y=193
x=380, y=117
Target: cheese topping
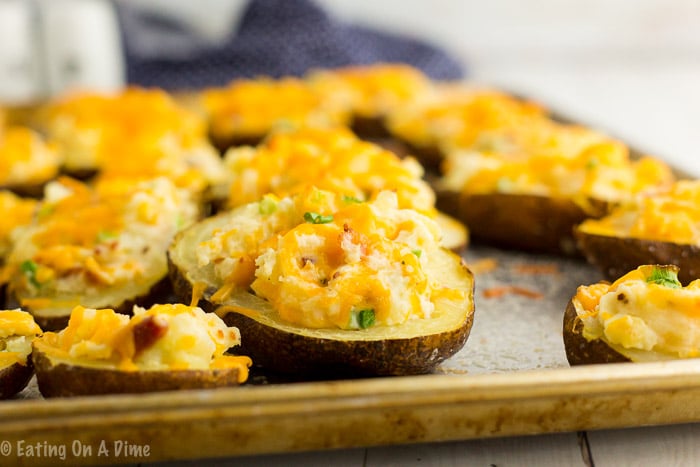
x=16, y=212
x=25, y=159
x=84, y=239
x=251, y=108
x=17, y=330
x=372, y=90
x=330, y=159
x=164, y=337
x=673, y=216
x=325, y=262
x=646, y=309
x=137, y=134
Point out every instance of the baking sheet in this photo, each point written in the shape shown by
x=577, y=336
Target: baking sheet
x=511, y=378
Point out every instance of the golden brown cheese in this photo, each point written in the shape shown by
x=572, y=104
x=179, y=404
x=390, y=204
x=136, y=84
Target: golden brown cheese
x=647, y=309
x=671, y=216
x=330, y=159
x=164, y=337
x=17, y=330
x=251, y=108
x=25, y=159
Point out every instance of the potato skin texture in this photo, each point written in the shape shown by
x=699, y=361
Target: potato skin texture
x=14, y=378
x=519, y=221
x=285, y=352
x=581, y=351
x=58, y=379
x=615, y=256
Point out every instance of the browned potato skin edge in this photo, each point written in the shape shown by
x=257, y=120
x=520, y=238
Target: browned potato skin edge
x=581, y=351
x=64, y=380
x=14, y=378
x=615, y=256
x=518, y=221
x=290, y=353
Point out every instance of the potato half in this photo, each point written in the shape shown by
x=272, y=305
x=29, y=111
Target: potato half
x=14, y=378
x=615, y=255
x=520, y=221
x=65, y=378
x=415, y=347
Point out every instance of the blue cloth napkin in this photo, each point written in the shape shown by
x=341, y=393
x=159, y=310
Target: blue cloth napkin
x=274, y=38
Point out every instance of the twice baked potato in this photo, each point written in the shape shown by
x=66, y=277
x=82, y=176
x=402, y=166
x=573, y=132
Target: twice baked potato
x=323, y=286
x=662, y=228
x=645, y=315
x=166, y=347
x=289, y=161
x=101, y=247
x=372, y=92
x=17, y=330
x=533, y=200
x=27, y=162
x=246, y=110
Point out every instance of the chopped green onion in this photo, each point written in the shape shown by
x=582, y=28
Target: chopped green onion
x=45, y=210
x=351, y=199
x=666, y=276
x=267, y=206
x=316, y=218
x=362, y=319
x=104, y=235
x=592, y=163
x=504, y=184
x=417, y=252
x=29, y=267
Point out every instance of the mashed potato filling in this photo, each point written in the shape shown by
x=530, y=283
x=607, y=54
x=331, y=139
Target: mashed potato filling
x=17, y=212
x=25, y=159
x=326, y=261
x=17, y=330
x=673, y=216
x=83, y=239
x=164, y=337
x=646, y=309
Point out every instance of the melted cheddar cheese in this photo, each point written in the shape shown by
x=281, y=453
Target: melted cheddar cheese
x=17, y=330
x=331, y=159
x=164, y=337
x=644, y=310
x=373, y=90
x=83, y=239
x=137, y=134
x=251, y=108
x=457, y=116
x=16, y=212
x=25, y=159
x=324, y=261
x=673, y=216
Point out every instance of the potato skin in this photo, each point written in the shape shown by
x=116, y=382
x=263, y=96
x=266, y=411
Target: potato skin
x=519, y=221
x=14, y=378
x=615, y=256
x=299, y=354
x=581, y=351
x=58, y=379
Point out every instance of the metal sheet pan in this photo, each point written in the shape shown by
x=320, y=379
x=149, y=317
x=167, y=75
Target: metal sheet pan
x=510, y=379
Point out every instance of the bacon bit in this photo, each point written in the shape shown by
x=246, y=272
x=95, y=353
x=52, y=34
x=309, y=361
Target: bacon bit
x=497, y=292
x=483, y=265
x=147, y=332
x=536, y=268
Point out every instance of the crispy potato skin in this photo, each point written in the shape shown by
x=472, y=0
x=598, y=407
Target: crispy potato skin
x=579, y=350
x=14, y=378
x=57, y=379
x=286, y=352
x=518, y=221
x=615, y=256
